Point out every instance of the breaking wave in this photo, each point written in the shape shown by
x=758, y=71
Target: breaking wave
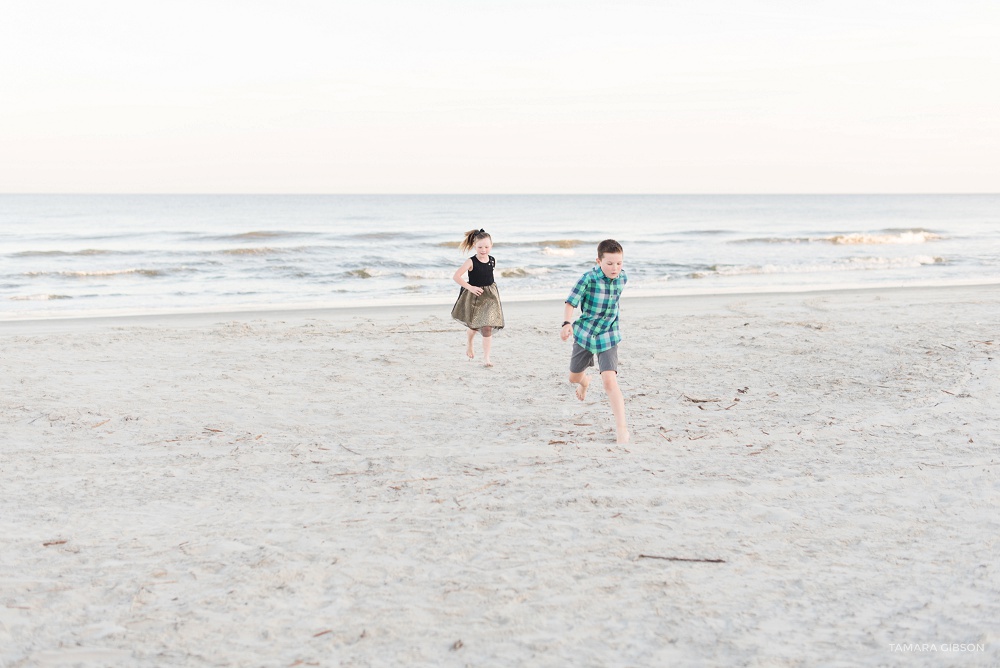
x=563, y=243
x=849, y=264
x=429, y=274
x=524, y=272
x=364, y=272
x=889, y=237
x=885, y=237
x=558, y=252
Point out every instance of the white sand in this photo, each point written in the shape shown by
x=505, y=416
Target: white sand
x=344, y=488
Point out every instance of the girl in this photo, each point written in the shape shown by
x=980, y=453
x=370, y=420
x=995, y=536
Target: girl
x=478, y=304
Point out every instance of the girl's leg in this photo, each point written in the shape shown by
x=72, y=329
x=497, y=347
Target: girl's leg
x=487, y=333
x=470, y=353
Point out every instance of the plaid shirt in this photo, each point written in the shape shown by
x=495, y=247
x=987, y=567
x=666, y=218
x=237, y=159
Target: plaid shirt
x=597, y=296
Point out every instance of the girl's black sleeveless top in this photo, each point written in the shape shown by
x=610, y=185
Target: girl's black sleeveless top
x=481, y=273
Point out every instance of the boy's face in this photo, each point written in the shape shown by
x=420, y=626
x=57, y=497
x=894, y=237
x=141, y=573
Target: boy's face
x=611, y=264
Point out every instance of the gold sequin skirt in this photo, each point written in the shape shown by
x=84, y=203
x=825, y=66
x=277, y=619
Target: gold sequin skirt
x=476, y=312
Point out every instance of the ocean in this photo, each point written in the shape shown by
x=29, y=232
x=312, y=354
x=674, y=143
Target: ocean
x=88, y=255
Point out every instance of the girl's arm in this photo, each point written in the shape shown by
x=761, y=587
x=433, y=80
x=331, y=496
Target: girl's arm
x=459, y=278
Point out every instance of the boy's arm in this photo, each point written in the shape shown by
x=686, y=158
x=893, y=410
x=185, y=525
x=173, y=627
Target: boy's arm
x=574, y=299
x=568, y=312
x=567, y=329
x=577, y=294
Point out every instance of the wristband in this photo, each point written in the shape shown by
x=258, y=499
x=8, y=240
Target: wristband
x=566, y=322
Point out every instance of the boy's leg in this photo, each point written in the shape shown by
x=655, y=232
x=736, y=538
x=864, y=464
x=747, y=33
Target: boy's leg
x=582, y=383
x=608, y=361
x=579, y=361
x=468, y=348
x=617, y=399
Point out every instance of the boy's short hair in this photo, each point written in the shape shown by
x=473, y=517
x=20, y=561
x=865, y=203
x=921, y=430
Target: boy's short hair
x=608, y=246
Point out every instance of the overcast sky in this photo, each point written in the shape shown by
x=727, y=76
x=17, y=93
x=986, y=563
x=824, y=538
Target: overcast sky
x=500, y=96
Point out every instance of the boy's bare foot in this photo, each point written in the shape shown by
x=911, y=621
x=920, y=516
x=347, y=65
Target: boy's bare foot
x=581, y=388
x=623, y=437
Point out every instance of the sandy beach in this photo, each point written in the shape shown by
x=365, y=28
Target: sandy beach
x=813, y=480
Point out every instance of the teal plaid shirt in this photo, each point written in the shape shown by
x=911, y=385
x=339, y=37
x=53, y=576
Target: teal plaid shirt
x=597, y=296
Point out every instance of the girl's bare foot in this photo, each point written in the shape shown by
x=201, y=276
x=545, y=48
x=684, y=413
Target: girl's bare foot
x=623, y=437
x=581, y=388
x=470, y=335
x=487, y=363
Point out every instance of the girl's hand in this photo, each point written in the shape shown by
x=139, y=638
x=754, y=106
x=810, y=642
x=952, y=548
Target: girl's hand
x=476, y=290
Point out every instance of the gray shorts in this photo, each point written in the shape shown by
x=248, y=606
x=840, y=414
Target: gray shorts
x=581, y=358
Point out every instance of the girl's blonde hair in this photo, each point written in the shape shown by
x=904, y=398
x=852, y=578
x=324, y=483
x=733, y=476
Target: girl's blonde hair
x=471, y=237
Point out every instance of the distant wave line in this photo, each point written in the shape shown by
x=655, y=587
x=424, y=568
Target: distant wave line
x=262, y=234
x=552, y=243
x=38, y=298
x=101, y=273
x=59, y=253
x=444, y=275
x=265, y=250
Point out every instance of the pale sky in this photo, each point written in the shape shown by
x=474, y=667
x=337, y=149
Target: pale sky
x=500, y=96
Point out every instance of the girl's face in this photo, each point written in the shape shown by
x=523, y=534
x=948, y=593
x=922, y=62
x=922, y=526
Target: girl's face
x=483, y=246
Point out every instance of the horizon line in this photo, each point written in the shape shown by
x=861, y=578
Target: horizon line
x=498, y=194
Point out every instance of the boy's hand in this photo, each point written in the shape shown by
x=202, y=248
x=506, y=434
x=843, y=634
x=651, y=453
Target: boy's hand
x=567, y=329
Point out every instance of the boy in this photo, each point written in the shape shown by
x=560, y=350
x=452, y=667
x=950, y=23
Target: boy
x=595, y=332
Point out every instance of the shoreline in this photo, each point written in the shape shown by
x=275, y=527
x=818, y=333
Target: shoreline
x=414, y=308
